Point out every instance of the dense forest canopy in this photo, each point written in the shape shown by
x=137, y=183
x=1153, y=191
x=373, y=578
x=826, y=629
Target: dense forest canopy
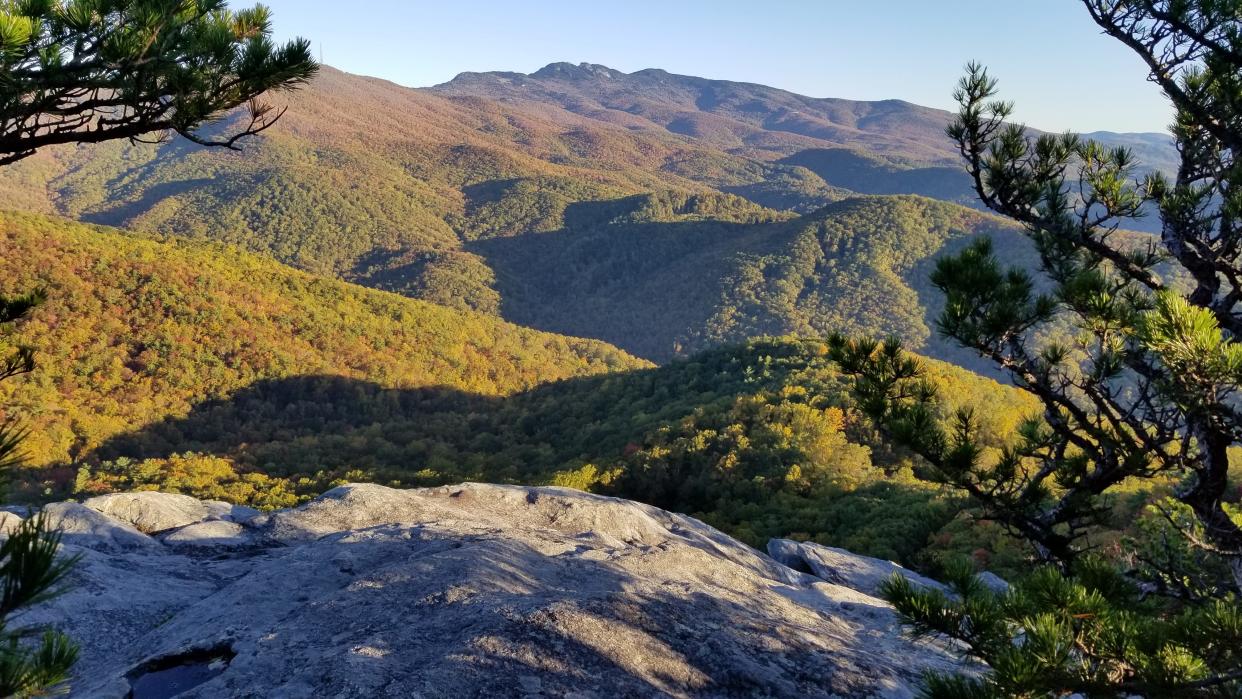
x=203, y=369
x=452, y=211
x=136, y=330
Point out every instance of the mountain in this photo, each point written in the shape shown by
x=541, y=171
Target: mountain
x=676, y=282
x=884, y=147
x=663, y=213
x=749, y=119
x=740, y=118
x=138, y=330
x=200, y=368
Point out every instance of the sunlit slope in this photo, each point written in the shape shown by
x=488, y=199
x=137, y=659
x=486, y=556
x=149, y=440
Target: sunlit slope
x=137, y=330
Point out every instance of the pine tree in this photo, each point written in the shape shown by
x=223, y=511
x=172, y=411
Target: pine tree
x=1145, y=386
x=30, y=569
x=87, y=71
x=19, y=360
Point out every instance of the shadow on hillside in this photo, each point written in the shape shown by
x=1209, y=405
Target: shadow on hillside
x=693, y=278
x=117, y=211
x=646, y=287
x=486, y=192
x=306, y=423
x=1016, y=250
x=120, y=213
x=869, y=174
x=302, y=415
x=321, y=428
x=666, y=289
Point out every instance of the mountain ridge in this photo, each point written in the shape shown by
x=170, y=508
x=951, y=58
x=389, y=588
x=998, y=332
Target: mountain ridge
x=593, y=71
x=426, y=192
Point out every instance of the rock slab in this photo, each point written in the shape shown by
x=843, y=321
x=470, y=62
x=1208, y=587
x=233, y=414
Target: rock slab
x=464, y=591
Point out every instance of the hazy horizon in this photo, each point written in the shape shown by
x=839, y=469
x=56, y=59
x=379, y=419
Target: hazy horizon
x=902, y=50
x=1161, y=132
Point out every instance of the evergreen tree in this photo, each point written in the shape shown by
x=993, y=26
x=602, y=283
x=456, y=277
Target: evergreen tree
x=1145, y=386
x=86, y=71
x=19, y=360
x=30, y=570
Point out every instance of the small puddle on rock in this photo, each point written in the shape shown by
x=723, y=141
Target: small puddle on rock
x=167, y=677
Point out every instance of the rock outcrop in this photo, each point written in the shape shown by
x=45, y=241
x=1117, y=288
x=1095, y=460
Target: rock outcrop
x=152, y=512
x=463, y=591
x=842, y=567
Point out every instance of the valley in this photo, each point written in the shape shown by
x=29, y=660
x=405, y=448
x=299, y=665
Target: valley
x=227, y=345
x=198, y=367
x=661, y=213
x=602, y=379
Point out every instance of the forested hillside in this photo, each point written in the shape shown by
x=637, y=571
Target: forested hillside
x=665, y=205
x=678, y=282
x=137, y=330
x=200, y=368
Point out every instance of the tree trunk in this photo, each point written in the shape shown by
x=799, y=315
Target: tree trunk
x=1207, y=495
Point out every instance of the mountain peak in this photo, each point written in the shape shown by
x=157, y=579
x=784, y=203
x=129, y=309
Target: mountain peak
x=582, y=71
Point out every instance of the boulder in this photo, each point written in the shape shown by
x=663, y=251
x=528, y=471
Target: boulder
x=841, y=567
x=209, y=535
x=857, y=572
x=151, y=512
x=471, y=591
x=229, y=512
x=9, y=522
x=993, y=582
x=88, y=528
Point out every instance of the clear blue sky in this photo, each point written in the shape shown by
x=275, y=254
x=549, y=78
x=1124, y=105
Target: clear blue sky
x=1050, y=57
